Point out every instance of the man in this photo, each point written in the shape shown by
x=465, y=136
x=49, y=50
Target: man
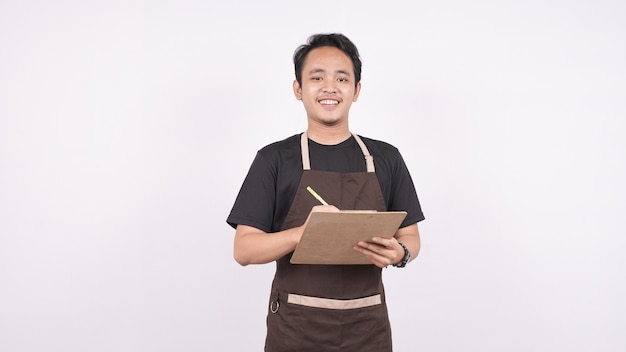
x=325, y=307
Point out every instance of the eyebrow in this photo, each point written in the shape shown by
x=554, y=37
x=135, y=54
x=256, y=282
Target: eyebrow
x=321, y=70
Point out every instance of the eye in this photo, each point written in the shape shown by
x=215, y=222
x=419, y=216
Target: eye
x=342, y=79
x=316, y=78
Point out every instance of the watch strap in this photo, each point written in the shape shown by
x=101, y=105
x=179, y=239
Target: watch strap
x=405, y=260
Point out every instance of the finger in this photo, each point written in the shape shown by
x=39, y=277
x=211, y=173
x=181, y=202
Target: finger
x=385, y=242
x=328, y=208
x=373, y=247
x=373, y=257
x=378, y=255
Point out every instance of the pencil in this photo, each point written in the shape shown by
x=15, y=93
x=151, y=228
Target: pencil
x=317, y=196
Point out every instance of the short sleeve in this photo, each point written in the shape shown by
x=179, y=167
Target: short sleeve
x=403, y=194
x=255, y=202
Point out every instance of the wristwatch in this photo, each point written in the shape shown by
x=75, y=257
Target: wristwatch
x=405, y=259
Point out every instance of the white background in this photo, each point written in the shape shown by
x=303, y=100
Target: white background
x=127, y=127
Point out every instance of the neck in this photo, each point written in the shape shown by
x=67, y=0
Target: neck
x=328, y=135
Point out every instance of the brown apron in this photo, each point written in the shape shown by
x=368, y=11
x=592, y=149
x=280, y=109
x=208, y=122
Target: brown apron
x=329, y=307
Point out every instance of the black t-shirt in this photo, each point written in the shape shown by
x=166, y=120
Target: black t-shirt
x=270, y=186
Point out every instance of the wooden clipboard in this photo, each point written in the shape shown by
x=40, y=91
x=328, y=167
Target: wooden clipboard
x=329, y=237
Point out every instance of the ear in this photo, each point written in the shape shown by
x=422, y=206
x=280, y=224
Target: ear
x=357, y=90
x=297, y=90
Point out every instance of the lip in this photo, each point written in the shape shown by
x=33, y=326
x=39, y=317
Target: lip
x=327, y=106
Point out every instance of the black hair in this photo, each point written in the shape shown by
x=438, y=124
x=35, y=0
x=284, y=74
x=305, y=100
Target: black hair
x=336, y=40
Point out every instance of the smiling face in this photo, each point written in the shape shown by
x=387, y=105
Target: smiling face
x=328, y=87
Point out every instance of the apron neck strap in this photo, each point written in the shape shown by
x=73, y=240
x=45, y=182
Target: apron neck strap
x=306, y=161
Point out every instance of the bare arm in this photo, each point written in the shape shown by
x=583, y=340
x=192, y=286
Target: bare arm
x=254, y=246
x=383, y=252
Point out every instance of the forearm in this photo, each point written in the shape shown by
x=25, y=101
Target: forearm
x=253, y=246
x=409, y=236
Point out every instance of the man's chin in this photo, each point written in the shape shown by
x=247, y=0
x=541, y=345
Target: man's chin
x=330, y=121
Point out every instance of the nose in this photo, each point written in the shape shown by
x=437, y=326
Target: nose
x=329, y=86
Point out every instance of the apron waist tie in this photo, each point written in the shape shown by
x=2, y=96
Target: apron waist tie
x=329, y=303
